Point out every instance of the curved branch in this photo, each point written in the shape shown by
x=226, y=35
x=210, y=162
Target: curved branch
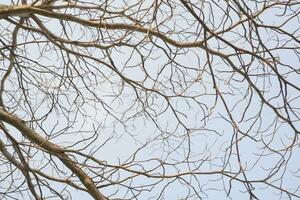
x=54, y=149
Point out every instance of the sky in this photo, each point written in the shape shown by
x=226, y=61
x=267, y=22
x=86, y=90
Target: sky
x=197, y=137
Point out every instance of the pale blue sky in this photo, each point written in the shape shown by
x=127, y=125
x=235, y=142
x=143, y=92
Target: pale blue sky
x=210, y=137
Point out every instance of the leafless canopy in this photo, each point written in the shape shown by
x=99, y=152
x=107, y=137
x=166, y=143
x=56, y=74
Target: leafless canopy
x=162, y=99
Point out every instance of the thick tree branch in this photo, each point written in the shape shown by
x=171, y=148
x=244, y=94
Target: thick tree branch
x=54, y=149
